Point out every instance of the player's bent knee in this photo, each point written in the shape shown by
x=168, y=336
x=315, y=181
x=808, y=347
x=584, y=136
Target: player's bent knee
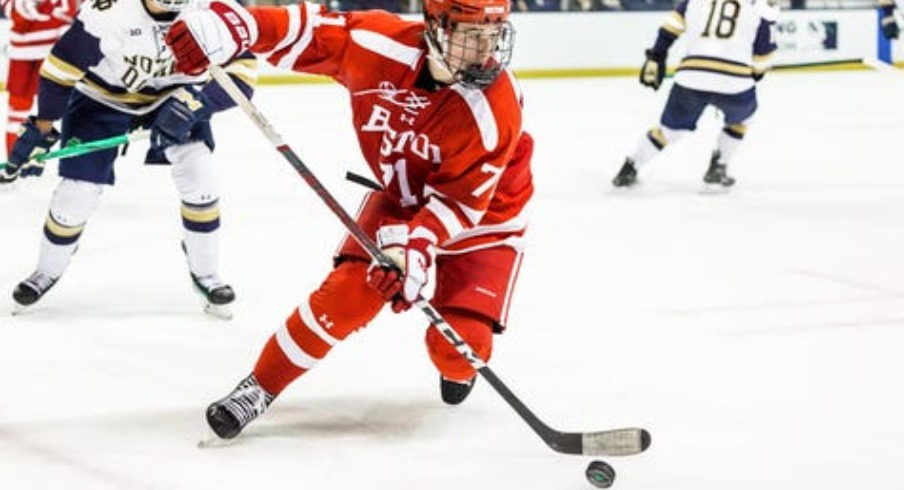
x=475, y=330
x=673, y=135
x=74, y=201
x=194, y=173
x=345, y=302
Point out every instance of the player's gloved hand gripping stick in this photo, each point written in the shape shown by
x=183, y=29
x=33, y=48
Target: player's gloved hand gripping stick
x=75, y=147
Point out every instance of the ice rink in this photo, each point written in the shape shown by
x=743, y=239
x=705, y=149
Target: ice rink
x=758, y=335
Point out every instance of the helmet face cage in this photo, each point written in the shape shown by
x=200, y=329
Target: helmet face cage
x=473, y=37
x=475, y=54
x=172, y=5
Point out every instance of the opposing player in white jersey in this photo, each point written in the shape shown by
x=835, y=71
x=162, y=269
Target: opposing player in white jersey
x=729, y=43
x=110, y=73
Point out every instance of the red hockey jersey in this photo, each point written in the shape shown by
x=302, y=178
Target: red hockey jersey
x=31, y=39
x=447, y=153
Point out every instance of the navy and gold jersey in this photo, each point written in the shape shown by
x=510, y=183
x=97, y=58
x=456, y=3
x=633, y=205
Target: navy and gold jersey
x=727, y=41
x=115, y=54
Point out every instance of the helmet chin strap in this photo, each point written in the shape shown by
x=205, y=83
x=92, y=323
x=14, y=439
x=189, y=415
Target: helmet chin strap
x=436, y=63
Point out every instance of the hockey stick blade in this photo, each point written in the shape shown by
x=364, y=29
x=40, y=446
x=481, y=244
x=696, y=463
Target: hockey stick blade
x=616, y=442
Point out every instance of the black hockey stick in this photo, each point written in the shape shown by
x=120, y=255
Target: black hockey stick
x=617, y=442
x=362, y=181
x=819, y=64
x=838, y=64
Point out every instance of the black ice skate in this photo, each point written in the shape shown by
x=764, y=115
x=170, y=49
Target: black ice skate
x=248, y=401
x=627, y=176
x=29, y=291
x=454, y=392
x=7, y=180
x=716, y=177
x=216, y=294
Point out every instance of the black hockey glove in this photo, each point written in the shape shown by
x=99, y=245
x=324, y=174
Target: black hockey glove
x=890, y=27
x=178, y=116
x=653, y=70
x=29, y=145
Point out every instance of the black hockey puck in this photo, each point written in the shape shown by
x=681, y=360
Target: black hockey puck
x=600, y=474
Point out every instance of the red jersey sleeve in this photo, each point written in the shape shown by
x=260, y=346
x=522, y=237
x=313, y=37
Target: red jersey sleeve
x=444, y=152
x=308, y=38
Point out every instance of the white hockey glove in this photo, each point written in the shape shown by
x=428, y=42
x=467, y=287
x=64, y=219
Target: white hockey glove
x=28, y=10
x=213, y=35
x=413, y=254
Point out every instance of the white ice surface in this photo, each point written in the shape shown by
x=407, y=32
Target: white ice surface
x=758, y=335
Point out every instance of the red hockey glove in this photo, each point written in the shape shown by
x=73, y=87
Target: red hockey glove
x=413, y=254
x=214, y=35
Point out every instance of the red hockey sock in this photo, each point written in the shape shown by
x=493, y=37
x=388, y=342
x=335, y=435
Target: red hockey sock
x=341, y=305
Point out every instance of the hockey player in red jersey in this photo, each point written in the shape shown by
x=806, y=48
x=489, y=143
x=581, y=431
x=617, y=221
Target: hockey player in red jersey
x=36, y=25
x=438, y=120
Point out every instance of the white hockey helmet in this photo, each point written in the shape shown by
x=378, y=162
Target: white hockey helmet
x=172, y=5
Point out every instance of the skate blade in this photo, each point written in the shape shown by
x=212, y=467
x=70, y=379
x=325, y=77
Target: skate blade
x=18, y=309
x=626, y=189
x=714, y=189
x=222, y=312
x=212, y=441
